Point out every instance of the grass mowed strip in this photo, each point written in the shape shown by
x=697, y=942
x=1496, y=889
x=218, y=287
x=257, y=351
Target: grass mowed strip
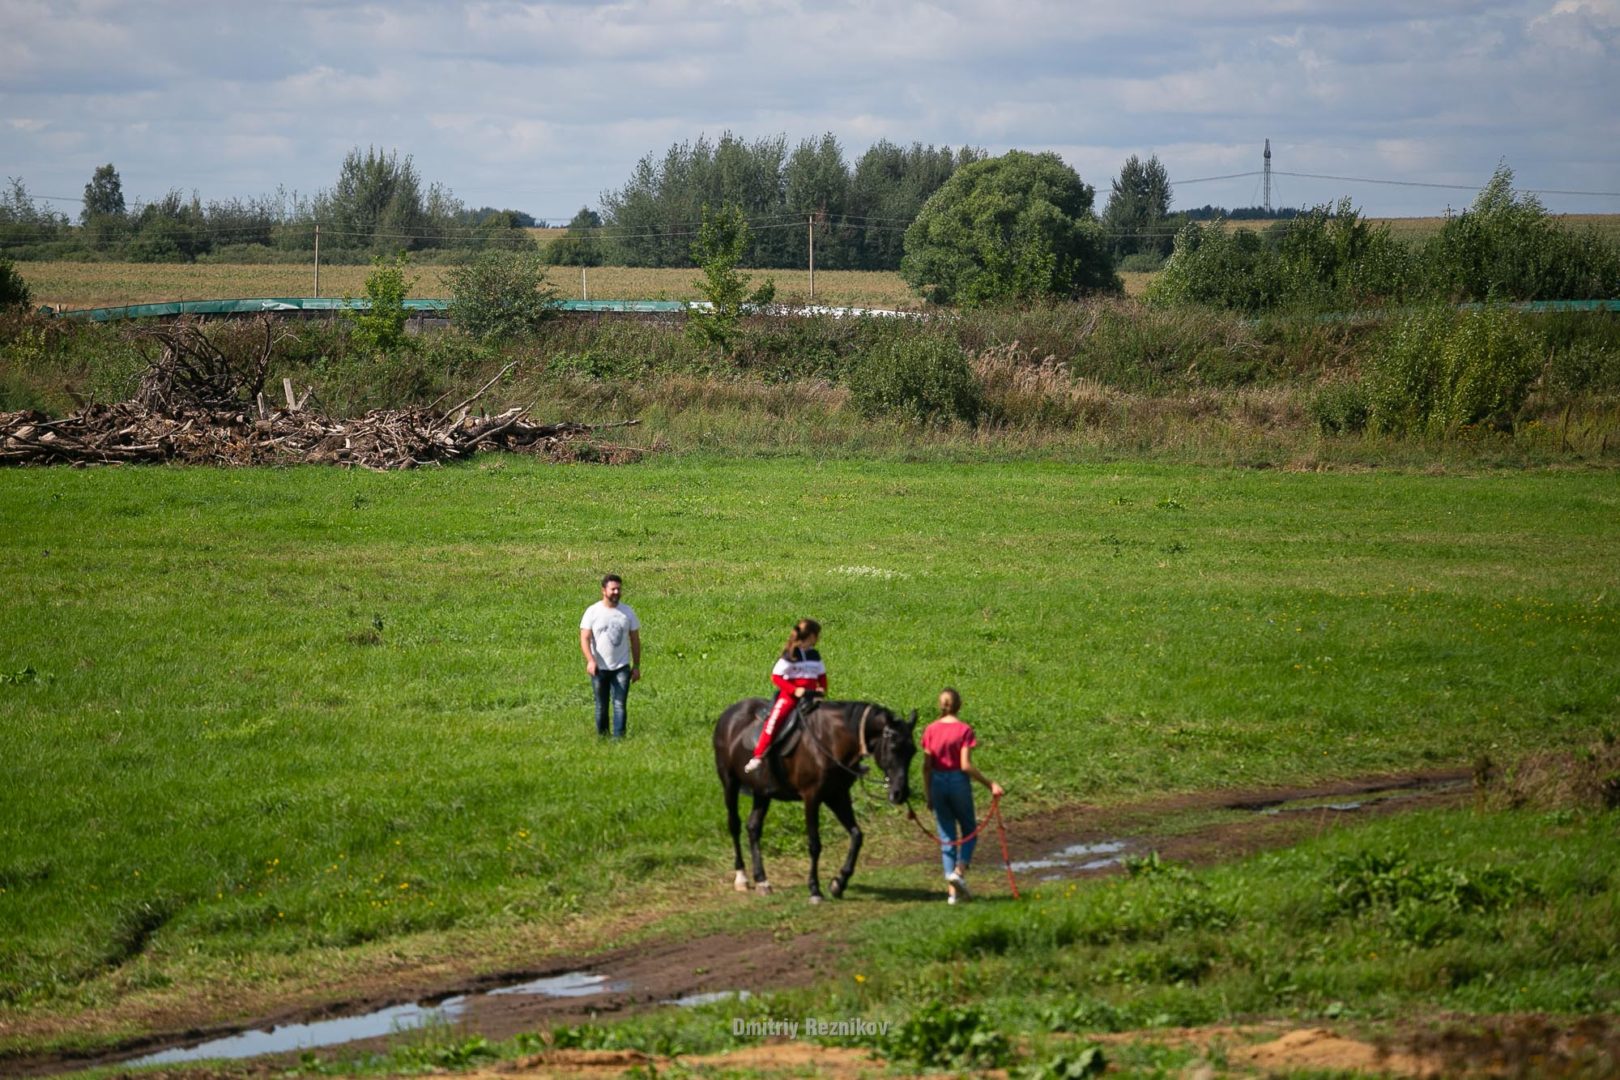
x=248, y=715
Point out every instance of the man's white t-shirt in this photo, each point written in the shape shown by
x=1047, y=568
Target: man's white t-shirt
x=610, y=633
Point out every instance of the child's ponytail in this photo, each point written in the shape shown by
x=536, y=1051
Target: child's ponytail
x=802, y=631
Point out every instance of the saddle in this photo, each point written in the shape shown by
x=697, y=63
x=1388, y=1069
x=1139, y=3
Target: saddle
x=789, y=733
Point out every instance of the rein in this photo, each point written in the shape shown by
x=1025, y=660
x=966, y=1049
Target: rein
x=1001, y=828
x=810, y=733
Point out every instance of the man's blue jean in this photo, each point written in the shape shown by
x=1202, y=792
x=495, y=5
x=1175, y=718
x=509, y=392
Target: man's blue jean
x=614, y=684
x=952, y=795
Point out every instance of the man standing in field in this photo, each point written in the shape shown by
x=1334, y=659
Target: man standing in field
x=610, y=638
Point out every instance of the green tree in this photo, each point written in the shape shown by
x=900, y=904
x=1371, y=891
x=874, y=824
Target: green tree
x=377, y=203
x=719, y=247
x=581, y=245
x=13, y=289
x=817, y=184
x=500, y=294
x=103, y=195
x=379, y=327
x=1016, y=227
x=1220, y=267
x=1136, y=218
x=1507, y=246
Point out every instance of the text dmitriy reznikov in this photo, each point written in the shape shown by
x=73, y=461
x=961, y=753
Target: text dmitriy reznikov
x=810, y=1027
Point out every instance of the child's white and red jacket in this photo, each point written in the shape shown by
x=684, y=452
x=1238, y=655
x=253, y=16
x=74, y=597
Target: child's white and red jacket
x=800, y=669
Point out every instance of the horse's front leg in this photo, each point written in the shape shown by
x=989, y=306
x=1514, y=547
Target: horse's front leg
x=812, y=832
x=756, y=826
x=734, y=823
x=844, y=811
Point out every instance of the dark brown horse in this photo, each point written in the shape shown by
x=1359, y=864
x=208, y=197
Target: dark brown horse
x=818, y=770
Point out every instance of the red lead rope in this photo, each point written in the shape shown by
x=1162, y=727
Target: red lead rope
x=1001, y=827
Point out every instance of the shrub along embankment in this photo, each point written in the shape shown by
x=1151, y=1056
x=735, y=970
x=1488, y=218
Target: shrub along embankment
x=1112, y=378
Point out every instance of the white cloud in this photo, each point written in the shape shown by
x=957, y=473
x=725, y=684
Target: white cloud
x=542, y=106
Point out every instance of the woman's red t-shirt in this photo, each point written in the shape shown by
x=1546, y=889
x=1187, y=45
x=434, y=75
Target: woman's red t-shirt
x=942, y=743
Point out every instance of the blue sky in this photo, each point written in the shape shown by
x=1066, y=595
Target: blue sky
x=542, y=107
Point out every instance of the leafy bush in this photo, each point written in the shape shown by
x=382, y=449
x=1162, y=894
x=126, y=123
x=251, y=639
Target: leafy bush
x=13, y=289
x=380, y=326
x=1341, y=407
x=1328, y=257
x=1218, y=267
x=501, y=294
x=948, y=1036
x=1070, y=1065
x=1440, y=369
x=1583, y=351
x=920, y=375
x=1420, y=901
x=1507, y=247
x=1331, y=256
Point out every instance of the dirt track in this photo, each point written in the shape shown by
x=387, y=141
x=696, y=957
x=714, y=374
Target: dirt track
x=651, y=975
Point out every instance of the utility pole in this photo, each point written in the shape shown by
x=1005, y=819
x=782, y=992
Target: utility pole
x=812, y=258
x=1268, y=178
x=317, y=260
x=584, y=289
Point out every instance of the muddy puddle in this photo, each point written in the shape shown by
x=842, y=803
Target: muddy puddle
x=1074, y=859
x=1348, y=804
x=390, y=1021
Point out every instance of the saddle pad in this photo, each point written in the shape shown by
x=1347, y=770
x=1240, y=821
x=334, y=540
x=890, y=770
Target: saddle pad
x=788, y=732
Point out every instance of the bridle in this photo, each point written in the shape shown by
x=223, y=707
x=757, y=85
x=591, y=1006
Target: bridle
x=860, y=728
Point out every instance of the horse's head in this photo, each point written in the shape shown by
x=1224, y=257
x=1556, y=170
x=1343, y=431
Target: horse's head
x=893, y=752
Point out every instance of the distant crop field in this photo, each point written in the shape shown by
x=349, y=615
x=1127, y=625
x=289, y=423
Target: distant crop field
x=82, y=285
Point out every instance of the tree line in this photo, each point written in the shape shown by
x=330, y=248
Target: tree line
x=860, y=211
x=379, y=204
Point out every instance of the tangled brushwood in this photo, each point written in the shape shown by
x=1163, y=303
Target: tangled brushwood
x=198, y=405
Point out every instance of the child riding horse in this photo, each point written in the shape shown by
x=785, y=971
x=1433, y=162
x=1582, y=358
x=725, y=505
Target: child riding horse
x=798, y=672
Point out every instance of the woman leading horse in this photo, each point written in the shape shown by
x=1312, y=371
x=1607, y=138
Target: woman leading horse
x=819, y=769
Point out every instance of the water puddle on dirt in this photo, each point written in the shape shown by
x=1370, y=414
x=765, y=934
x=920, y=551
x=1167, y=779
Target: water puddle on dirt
x=389, y=1021
x=573, y=984
x=692, y=1001
x=1341, y=805
x=1074, y=859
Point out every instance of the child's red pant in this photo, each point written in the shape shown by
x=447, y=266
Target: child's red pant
x=779, y=708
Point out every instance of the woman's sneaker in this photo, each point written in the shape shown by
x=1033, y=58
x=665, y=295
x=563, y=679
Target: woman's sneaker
x=753, y=765
x=962, y=890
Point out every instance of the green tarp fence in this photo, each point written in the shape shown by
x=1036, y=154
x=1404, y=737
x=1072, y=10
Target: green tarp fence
x=319, y=304
x=287, y=305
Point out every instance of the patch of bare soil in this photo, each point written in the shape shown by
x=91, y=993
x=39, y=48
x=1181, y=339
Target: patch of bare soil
x=1519, y=1047
x=649, y=975
x=1322, y=1050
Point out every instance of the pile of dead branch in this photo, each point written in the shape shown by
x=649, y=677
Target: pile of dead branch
x=200, y=406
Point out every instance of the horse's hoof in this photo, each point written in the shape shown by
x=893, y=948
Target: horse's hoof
x=741, y=884
x=814, y=899
x=836, y=888
x=763, y=888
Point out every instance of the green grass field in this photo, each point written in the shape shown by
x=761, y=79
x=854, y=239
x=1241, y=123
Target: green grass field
x=249, y=716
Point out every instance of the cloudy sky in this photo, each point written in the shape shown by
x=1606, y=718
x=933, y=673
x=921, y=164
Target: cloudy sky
x=542, y=107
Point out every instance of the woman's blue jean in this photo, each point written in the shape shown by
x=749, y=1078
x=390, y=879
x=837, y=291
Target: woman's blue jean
x=614, y=684
x=952, y=796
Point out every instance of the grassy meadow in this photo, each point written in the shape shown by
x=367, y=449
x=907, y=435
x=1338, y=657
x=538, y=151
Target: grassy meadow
x=253, y=719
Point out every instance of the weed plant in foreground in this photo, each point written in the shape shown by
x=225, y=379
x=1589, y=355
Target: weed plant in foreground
x=258, y=723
